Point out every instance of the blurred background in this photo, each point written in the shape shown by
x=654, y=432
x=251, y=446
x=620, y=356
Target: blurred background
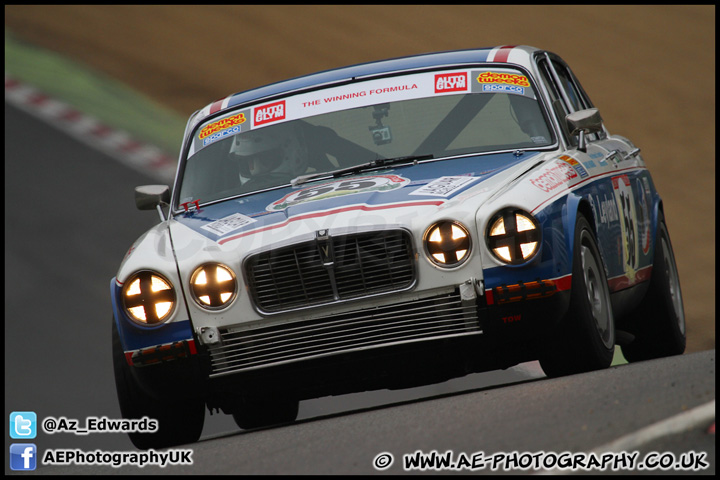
x=70, y=216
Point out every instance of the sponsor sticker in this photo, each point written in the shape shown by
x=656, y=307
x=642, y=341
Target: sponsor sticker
x=222, y=128
x=451, y=82
x=379, y=184
x=555, y=176
x=222, y=125
x=576, y=165
x=589, y=164
x=272, y=112
x=485, y=78
x=605, y=209
x=503, y=89
x=228, y=224
x=444, y=186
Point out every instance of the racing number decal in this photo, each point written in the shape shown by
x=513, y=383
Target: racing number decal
x=644, y=223
x=344, y=186
x=625, y=200
x=377, y=183
x=629, y=222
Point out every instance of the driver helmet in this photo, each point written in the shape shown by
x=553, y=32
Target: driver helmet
x=277, y=149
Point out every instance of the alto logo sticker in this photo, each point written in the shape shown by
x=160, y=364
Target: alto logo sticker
x=380, y=184
x=451, y=82
x=271, y=112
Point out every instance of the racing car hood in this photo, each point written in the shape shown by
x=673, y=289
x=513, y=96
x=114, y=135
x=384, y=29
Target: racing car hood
x=408, y=197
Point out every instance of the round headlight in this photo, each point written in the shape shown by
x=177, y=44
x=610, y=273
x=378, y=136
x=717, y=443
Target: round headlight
x=213, y=286
x=513, y=236
x=447, y=243
x=149, y=298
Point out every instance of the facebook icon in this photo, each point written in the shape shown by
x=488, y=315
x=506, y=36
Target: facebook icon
x=22, y=456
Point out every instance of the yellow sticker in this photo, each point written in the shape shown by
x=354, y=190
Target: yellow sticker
x=506, y=78
x=223, y=124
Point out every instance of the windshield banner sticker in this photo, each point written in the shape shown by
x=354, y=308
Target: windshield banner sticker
x=444, y=186
x=379, y=184
x=364, y=94
x=405, y=87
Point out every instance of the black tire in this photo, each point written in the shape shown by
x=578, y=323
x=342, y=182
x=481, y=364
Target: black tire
x=658, y=324
x=264, y=412
x=180, y=421
x=585, y=338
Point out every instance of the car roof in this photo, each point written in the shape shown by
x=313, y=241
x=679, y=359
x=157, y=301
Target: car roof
x=518, y=55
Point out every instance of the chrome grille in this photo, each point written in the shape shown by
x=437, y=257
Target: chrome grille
x=435, y=317
x=336, y=269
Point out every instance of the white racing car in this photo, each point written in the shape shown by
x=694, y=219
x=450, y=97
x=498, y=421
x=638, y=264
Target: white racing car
x=387, y=225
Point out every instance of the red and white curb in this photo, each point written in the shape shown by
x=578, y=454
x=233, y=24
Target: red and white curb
x=118, y=144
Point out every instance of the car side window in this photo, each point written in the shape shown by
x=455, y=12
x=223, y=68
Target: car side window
x=569, y=87
x=575, y=94
x=557, y=103
x=565, y=93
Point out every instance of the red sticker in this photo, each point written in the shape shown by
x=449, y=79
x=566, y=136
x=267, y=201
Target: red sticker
x=270, y=113
x=451, y=82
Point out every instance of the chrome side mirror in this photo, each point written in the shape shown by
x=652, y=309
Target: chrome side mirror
x=148, y=197
x=584, y=122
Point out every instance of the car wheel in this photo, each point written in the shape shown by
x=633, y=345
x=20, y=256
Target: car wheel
x=263, y=412
x=180, y=421
x=585, y=339
x=658, y=324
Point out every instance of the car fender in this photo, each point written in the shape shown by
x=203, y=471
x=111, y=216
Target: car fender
x=570, y=213
x=152, y=251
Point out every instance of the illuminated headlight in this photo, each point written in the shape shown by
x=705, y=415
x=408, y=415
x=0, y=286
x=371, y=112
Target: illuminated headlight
x=213, y=286
x=447, y=243
x=149, y=298
x=513, y=236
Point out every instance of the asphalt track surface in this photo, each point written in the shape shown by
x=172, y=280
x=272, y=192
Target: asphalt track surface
x=70, y=218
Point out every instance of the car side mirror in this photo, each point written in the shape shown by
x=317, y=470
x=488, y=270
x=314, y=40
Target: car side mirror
x=148, y=197
x=584, y=122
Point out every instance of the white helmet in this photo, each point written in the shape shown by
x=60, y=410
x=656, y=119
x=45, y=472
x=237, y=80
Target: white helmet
x=277, y=150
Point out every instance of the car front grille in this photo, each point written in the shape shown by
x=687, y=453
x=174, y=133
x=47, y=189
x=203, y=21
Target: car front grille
x=430, y=318
x=331, y=269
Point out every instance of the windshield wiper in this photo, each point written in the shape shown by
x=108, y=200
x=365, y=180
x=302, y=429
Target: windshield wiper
x=375, y=164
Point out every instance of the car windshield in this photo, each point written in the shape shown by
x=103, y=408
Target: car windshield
x=433, y=115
